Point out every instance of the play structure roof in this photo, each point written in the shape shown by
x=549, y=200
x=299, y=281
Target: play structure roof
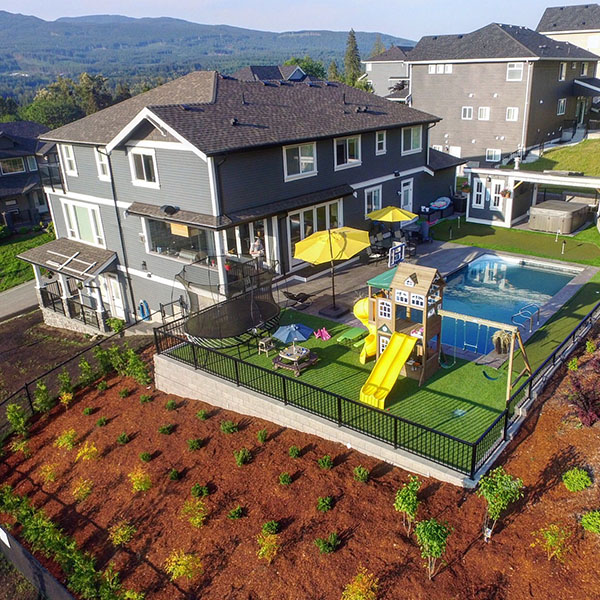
x=383, y=281
x=421, y=277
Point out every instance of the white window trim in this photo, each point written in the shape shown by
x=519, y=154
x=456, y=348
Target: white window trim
x=351, y=163
x=402, y=297
x=368, y=66
x=478, y=196
x=287, y=177
x=14, y=172
x=487, y=112
x=487, y=152
x=439, y=69
x=438, y=147
x=562, y=102
x=404, y=152
x=514, y=108
x=377, y=151
x=462, y=113
x=140, y=182
x=383, y=307
x=417, y=300
x=493, y=196
x=448, y=69
x=431, y=69
x=407, y=184
x=373, y=189
x=562, y=71
x=73, y=233
x=66, y=158
x=514, y=66
x=99, y=156
x=30, y=160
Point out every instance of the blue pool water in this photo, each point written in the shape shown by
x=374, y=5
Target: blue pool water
x=495, y=288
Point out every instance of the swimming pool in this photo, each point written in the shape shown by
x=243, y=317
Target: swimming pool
x=496, y=288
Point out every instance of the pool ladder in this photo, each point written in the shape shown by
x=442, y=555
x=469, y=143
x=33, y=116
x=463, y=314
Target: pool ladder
x=526, y=315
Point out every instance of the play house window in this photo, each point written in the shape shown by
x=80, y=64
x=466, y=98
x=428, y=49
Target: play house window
x=385, y=309
x=401, y=297
x=417, y=300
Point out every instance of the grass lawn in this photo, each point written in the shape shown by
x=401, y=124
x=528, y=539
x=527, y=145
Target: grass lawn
x=583, y=248
x=583, y=157
x=12, y=270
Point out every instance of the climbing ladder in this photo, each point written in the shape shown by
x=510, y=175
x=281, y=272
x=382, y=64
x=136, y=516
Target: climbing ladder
x=526, y=315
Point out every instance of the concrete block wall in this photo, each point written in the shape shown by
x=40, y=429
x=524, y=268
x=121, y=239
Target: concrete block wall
x=173, y=377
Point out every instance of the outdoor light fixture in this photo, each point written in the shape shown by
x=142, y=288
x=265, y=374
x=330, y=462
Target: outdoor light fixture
x=396, y=173
x=144, y=265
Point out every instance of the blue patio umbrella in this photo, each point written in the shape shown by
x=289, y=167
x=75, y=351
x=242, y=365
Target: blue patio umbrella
x=293, y=333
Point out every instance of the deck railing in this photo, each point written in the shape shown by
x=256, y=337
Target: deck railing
x=83, y=313
x=52, y=300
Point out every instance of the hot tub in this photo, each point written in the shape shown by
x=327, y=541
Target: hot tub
x=554, y=215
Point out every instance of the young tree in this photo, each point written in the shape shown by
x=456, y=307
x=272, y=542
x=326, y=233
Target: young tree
x=407, y=502
x=93, y=93
x=333, y=73
x=500, y=490
x=122, y=92
x=432, y=537
x=314, y=68
x=378, y=46
x=55, y=105
x=352, y=70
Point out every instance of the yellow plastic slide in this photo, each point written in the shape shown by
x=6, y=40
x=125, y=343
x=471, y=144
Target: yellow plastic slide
x=386, y=370
x=361, y=312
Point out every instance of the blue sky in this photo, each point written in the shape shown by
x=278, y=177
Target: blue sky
x=403, y=18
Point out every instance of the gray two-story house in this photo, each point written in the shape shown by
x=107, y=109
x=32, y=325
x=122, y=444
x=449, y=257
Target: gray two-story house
x=184, y=183
x=501, y=90
x=388, y=73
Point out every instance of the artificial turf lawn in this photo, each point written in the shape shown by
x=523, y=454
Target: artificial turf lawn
x=14, y=271
x=582, y=248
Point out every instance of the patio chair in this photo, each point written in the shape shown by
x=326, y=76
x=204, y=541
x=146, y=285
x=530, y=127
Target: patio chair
x=374, y=254
x=301, y=300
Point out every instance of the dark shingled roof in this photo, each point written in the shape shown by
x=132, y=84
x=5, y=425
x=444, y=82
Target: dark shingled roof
x=187, y=217
x=101, y=127
x=442, y=160
x=495, y=41
x=24, y=134
x=86, y=261
x=274, y=114
x=570, y=18
x=269, y=73
x=398, y=94
x=393, y=53
x=15, y=185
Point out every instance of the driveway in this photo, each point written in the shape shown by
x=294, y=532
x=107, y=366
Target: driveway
x=17, y=300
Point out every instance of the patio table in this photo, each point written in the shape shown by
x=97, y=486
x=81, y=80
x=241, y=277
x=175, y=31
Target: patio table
x=295, y=358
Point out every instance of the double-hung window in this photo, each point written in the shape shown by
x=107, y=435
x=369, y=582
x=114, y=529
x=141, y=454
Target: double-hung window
x=431, y=69
x=440, y=69
x=83, y=223
x=466, y=113
x=102, y=164
x=11, y=166
x=562, y=71
x=372, y=199
x=493, y=155
x=561, y=108
x=496, y=199
x=411, y=139
x=514, y=72
x=584, y=69
x=512, y=113
x=347, y=152
x=70, y=165
x=483, y=114
x=380, y=142
x=32, y=163
x=142, y=162
x=300, y=161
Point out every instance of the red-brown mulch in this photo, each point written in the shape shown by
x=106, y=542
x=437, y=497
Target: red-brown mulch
x=363, y=515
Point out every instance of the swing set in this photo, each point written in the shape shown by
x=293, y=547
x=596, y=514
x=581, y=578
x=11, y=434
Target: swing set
x=485, y=323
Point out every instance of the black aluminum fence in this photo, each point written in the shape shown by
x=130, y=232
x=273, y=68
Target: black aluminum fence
x=52, y=301
x=83, y=313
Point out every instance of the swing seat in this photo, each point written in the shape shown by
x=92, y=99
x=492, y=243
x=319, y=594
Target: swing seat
x=490, y=377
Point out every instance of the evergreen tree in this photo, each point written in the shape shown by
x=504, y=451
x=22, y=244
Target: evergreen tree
x=378, y=47
x=333, y=73
x=93, y=93
x=314, y=68
x=352, y=70
x=122, y=92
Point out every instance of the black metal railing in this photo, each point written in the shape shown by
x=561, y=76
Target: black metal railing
x=51, y=176
x=83, y=313
x=52, y=300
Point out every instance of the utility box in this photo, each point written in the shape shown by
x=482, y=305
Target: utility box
x=554, y=215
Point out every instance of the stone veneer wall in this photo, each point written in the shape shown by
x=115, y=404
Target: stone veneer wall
x=173, y=377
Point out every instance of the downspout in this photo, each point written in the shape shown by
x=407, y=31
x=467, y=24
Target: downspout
x=120, y=230
x=526, y=108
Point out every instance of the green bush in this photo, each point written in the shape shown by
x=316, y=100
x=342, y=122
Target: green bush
x=363, y=587
x=41, y=398
x=102, y=386
x=199, y=491
x=590, y=346
x=285, y=479
x=123, y=439
x=121, y=533
x=145, y=398
x=573, y=364
x=407, y=502
x=145, y=457
x=65, y=385
x=88, y=410
x=591, y=521
x=576, y=479
x=194, y=444
x=242, y=456
x=86, y=373
x=324, y=503
x=329, y=544
x=101, y=422
x=118, y=359
x=67, y=440
x=261, y=436
x=166, y=429
x=325, y=462
x=116, y=325
x=140, y=480
x=432, y=537
x=17, y=417
x=229, y=427
x=202, y=415
x=294, y=452
x=361, y=474
x=236, y=513
x=174, y=475
x=270, y=528
x=555, y=540
x=103, y=358
x=171, y=405
x=124, y=392
x=195, y=512
x=136, y=368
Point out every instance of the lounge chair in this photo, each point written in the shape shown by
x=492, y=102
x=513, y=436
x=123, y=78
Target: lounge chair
x=301, y=301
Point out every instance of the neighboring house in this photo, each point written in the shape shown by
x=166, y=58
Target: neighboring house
x=500, y=90
x=388, y=73
x=176, y=185
x=22, y=201
x=272, y=73
x=578, y=25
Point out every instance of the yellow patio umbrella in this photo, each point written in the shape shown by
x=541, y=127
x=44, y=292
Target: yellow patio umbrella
x=392, y=214
x=329, y=245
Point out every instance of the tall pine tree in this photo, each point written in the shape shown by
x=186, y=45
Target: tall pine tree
x=378, y=46
x=333, y=73
x=352, y=69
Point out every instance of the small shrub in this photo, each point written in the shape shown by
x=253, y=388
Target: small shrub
x=101, y=422
x=361, y=474
x=136, y=368
x=81, y=489
x=48, y=473
x=583, y=396
x=140, y=480
x=199, y=491
x=21, y=446
x=329, y=544
x=432, y=537
x=88, y=410
x=554, y=539
x=590, y=346
x=65, y=385
x=270, y=527
x=171, y=405
x=195, y=512
x=261, y=436
x=87, y=452
x=285, y=479
x=145, y=457
x=101, y=355
x=86, y=373
x=201, y=415
x=573, y=364
x=324, y=503
x=123, y=439
x=121, y=533
x=66, y=440
x=116, y=325
x=179, y=565
x=41, y=398
x=236, y=513
x=118, y=360
x=229, y=427
x=65, y=399
x=407, y=502
x=17, y=417
x=145, y=398
x=242, y=456
x=166, y=429
x=174, y=475
x=576, y=480
x=131, y=595
x=102, y=386
x=124, y=392
x=294, y=452
x=194, y=444
x=363, y=587
x=591, y=521
x=325, y=462
x=268, y=546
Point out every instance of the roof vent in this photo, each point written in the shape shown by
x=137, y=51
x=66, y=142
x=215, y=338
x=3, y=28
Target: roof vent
x=244, y=100
x=312, y=84
x=460, y=37
x=434, y=37
x=330, y=84
x=168, y=209
x=269, y=83
x=189, y=107
x=234, y=122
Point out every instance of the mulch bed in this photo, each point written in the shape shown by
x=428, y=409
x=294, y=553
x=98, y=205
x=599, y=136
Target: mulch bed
x=372, y=533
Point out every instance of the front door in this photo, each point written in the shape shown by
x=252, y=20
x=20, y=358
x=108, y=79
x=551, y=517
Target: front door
x=112, y=295
x=406, y=195
x=581, y=110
